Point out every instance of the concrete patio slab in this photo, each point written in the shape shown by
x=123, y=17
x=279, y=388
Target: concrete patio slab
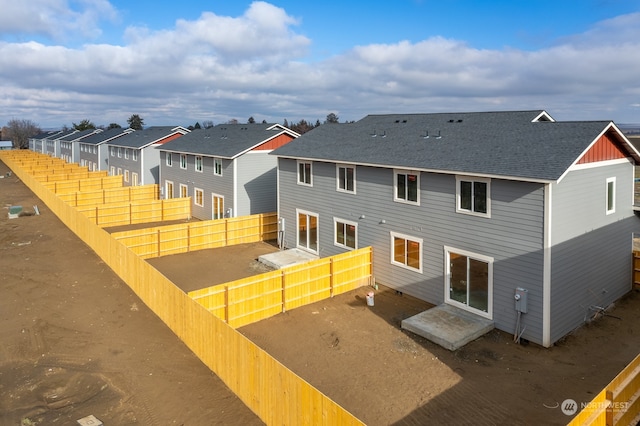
x=280, y=259
x=448, y=326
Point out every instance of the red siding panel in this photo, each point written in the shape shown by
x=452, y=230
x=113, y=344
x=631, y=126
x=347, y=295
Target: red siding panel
x=169, y=139
x=604, y=149
x=274, y=143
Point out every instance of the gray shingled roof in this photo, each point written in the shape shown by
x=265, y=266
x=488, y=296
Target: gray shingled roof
x=145, y=137
x=79, y=135
x=505, y=144
x=105, y=135
x=223, y=140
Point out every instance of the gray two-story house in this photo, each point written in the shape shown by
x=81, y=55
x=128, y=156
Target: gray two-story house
x=51, y=144
x=69, y=146
x=94, y=151
x=37, y=143
x=135, y=157
x=472, y=209
x=226, y=169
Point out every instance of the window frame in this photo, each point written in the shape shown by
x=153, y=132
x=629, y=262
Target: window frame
x=195, y=197
x=406, y=173
x=221, y=213
x=126, y=153
x=344, y=181
x=184, y=190
x=183, y=161
x=217, y=166
x=134, y=179
x=126, y=176
x=301, y=178
x=345, y=223
x=134, y=154
x=169, y=160
x=610, y=195
x=198, y=164
x=392, y=251
x=487, y=181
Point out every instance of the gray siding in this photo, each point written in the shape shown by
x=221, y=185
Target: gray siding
x=133, y=166
x=591, y=263
x=513, y=235
x=205, y=180
x=256, y=183
x=149, y=159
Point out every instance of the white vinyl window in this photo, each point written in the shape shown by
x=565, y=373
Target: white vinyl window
x=169, y=159
x=345, y=234
x=198, y=197
x=126, y=176
x=183, y=161
x=473, y=196
x=217, y=166
x=135, y=155
x=184, y=191
x=611, y=195
x=304, y=173
x=126, y=153
x=406, y=251
x=406, y=186
x=346, y=178
x=198, y=163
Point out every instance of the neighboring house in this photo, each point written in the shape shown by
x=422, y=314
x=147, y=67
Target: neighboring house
x=465, y=208
x=94, y=151
x=5, y=145
x=226, y=169
x=37, y=143
x=51, y=144
x=135, y=157
x=69, y=146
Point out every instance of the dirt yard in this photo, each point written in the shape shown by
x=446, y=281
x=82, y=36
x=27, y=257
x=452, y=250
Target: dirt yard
x=76, y=341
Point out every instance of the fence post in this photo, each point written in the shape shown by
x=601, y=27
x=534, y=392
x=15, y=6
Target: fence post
x=97, y=216
x=609, y=412
x=331, y=277
x=226, y=304
x=130, y=215
x=159, y=254
x=284, y=294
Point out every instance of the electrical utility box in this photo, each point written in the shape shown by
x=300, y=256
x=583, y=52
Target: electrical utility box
x=521, y=300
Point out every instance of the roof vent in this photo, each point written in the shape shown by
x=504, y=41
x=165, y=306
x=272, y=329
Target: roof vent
x=397, y=121
x=451, y=121
x=426, y=135
x=460, y=120
x=404, y=121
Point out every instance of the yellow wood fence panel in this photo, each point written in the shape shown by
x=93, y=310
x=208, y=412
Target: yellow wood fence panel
x=254, y=298
x=307, y=283
x=207, y=234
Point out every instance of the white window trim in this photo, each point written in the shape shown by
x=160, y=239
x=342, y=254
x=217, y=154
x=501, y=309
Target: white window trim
x=126, y=153
x=183, y=186
x=310, y=173
x=217, y=161
x=169, y=160
x=119, y=152
x=112, y=171
x=397, y=172
x=337, y=220
x=195, y=163
x=393, y=235
x=126, y=176
x=134, y=155
x=195, y=198
x=186, y=162
x=345, y=166
x=460, y=178
x=447, y=278
x=134, y=179
x=606, y=201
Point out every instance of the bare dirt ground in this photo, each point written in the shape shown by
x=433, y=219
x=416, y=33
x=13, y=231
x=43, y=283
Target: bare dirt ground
x=76, y=341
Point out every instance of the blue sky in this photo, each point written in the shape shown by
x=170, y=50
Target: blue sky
x=188, y=61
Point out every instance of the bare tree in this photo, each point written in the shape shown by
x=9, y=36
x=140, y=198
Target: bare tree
x=207, y=124
x=19, y=131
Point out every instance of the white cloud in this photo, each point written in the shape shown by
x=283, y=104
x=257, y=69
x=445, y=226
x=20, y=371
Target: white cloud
x=218, y=68
x=54, y=19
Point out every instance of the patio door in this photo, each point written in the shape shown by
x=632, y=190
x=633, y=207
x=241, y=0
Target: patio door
x=169, y=190
x=218, y=206
x=308, y=231
x=469, y=281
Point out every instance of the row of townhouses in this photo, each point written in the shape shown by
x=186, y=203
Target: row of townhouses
x=464, y=209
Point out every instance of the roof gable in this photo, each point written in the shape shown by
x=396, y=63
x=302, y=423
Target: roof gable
x=604, y=148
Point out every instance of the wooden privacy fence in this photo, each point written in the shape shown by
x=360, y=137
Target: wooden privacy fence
x=125, y=194
x=636, y=269
x=186, y=237
x=252, y=299
x=88, y=184
x=276, y=394
x=138, y=212
x=69, y=175
x=617, y=404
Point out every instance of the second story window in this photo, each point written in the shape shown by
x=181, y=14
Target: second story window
x=169, y=159
x=407, y=186
x=346, y=178
x=473, y=196
x=183, y=161
x=134, y=155
x=217, y=166
x=304, y=173
x=198, y=163
x=611, y=195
